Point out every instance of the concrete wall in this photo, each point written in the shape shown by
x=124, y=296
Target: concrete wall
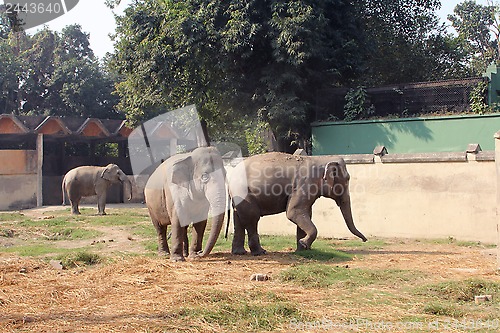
x=407, y=199
x=405, y=195
x=18, y=179
x=405, y=135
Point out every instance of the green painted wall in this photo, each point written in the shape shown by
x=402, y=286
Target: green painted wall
x=413, y=135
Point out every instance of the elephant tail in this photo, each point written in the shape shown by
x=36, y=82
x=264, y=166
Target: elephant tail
x=229, y=206
x=63, y=190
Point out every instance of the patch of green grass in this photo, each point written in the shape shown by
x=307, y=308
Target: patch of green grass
x=13, y=217
x=324, y=255
x=251, y=312
x=321, y=275
x=454, y=241
x=144, y=230
x=34, y=250
x=81, y=258
x=371, y=244
x=322, y=249
x=48, y=222
x=112, y=220
x=62, y=233
x=151, y=246
x=460, y=291
x=443, y=309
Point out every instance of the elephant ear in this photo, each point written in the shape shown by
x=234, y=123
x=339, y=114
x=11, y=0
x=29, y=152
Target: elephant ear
x=107, y=173
x=337, y=177
x=182, y=171
x=332, y=170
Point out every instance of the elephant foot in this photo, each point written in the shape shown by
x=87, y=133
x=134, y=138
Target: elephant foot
x=302, y=245
x=194, y=256
x=163, y=253
x=239, y=252
x=101, y=213
x=259, y=252
x=75, y=213
x=177, y=258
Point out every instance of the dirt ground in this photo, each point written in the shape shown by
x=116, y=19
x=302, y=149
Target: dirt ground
x=150, y=294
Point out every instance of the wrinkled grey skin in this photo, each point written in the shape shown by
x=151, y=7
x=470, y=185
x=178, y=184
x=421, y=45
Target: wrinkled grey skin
x=86, y=181
x=272, y=183
x=187, y=188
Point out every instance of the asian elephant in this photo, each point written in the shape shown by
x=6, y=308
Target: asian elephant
x=187, y=189
x=272, y=183
x=86, y=181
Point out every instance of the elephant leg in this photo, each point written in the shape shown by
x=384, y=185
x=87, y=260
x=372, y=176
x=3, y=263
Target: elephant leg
x=300, y=235
x=185, y=243
x=101, y=204
x=162, y=238
x=238, y=245
x=198, y=232
x=178, y=240
x=253, y=239
x=74, y=205
x=302, y=218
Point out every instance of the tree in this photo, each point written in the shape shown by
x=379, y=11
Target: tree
x=9, y=63
x=478, y=32
x=405, y=42
x=260, y=59
x=52, y=73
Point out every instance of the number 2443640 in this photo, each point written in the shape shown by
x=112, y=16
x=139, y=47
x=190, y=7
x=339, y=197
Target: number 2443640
x=33, y=8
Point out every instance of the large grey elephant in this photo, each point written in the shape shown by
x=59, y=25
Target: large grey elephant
x=187, y=189
x=272, y=183
x=86, y=181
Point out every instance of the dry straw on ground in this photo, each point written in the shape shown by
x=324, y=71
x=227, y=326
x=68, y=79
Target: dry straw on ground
x=144, y=294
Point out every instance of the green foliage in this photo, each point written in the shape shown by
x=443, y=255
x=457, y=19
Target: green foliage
x=51, y=73
x=404, y=42
x=356, y=104
x=261, y=59
x=477, y=27
x=477, y=98
x=255, y=139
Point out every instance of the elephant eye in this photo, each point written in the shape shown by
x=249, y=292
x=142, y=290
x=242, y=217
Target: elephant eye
x=205, y=177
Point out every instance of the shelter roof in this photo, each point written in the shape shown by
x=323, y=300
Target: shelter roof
x=63, y=126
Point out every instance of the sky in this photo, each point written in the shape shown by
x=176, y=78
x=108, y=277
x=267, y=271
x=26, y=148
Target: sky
x=95, y=18
x=447, y=7
x=98, y=20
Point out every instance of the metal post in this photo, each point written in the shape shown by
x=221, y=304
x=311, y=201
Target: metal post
x=39, y=170
x=497, y=167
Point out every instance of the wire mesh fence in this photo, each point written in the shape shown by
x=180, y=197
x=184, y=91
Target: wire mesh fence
x=404, y=100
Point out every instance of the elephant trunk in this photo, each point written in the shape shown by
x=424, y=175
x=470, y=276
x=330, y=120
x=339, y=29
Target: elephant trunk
x=127, y=188
x=345, y=208
x=217, y=201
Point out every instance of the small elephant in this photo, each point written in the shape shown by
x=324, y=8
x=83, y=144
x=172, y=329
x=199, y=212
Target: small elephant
x=86, y=181
x=273, y=183
x=187, y=189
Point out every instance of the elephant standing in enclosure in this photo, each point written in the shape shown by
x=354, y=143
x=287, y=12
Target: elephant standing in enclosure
x=187, y=188
x=86, y=181
x=272, y=183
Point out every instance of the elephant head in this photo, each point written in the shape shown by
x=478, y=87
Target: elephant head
x=114, y=174
x=336, y=186
x=198, y=191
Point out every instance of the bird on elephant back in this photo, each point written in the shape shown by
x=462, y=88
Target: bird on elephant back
x=87, y=181
x=187, y=189
x=273, y=183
